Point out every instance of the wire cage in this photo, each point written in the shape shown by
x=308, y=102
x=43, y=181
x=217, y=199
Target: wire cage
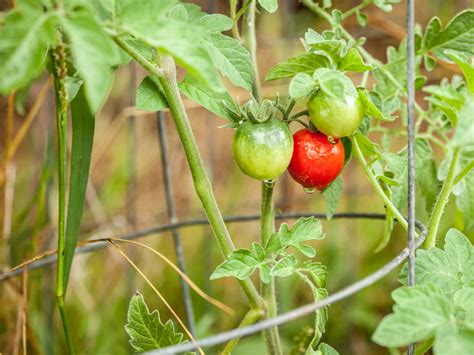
x=174, y=227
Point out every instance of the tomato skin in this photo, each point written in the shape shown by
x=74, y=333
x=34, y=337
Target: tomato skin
x=335, y=117
x=263, y=150
x=315, y=162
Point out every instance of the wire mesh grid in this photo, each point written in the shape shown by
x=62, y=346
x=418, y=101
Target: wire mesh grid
x=174, y=226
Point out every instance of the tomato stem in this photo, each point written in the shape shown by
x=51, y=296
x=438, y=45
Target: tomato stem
x=373, y=180
x=250, y=40
x=267, y=228
x=201, y=181
x=271, y=336
x=250, y=318
x=442, y=200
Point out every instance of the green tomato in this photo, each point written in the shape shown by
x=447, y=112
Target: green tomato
x=335, y=117
x=263, y=150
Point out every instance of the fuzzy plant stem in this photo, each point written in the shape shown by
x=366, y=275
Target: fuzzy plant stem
x=373, y=180
x=271, y=336
x=250, y=318
x=267, y=228
x=441, y=202
x=201, y=181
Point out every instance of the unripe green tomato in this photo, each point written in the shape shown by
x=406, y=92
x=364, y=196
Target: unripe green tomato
x=263, y=150
x=335, y=117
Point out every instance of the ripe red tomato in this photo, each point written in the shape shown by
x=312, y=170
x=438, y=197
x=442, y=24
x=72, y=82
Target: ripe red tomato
x=316, y=162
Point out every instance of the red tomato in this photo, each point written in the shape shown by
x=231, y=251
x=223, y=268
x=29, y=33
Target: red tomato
x=316, y=162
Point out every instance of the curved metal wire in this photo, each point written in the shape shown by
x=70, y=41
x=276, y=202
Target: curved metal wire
x=298, y=312
x=48, y=260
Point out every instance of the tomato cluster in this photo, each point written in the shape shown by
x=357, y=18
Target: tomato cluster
x=313, y=157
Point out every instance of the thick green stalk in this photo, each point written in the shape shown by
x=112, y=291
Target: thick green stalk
x=60, y=72
x=267, y=228
x=373, y=180
x=201, y=181
x=271, y=336
x=250, y=318
x=441, y=202
x=250, y=41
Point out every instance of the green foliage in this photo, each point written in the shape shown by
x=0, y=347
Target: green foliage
x=93, y=54
x=220, y=103
x=370, y=107
x=305, y=63
x=331, y=196
x=83, y=124
x=269, y=5
x=24, y=41
x=150, y=95
x=458, y=35
x=323, y=51
x=440, y=305
x=145, y=329
x=305, y=229
x=242, y=263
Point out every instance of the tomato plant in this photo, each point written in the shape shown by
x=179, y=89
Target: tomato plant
x=359, y=104
x=316, y=162
x=263, y=150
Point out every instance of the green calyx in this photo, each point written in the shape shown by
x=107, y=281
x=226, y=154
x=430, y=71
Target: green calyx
x=259, y=113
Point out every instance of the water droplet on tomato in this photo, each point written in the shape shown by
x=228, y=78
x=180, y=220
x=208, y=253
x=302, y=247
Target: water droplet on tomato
x=333, y=140
x=309, y=190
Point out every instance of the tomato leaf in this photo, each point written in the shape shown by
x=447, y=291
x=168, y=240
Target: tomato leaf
x=306, y=63
x=331, y=196
x=269, y=5
x=334, y=83
x=304, y=229
x=362, y=19
x=353, y=61
x=465, y=127
x=385, y=5
x=465, y=200
x=440, y=305
x=465, y=63
x=241, y=263
x=24, y=40
x=398, y=165
x=146, y=330
x=220, y=103
x=171, y=35
x=284, y=267
x=458, y=35
x=419, y=312
x=326, y=349
x=450, y=269
x=93, y=55
x=370, y=108
x=231, y=59
x=301, y=85
x=150, y=96
x=83, y=124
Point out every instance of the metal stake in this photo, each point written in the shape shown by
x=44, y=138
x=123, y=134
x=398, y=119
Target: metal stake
x=411, y=144
x=171, y=211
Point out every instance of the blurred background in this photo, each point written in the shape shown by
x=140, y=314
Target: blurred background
x=126, y=193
